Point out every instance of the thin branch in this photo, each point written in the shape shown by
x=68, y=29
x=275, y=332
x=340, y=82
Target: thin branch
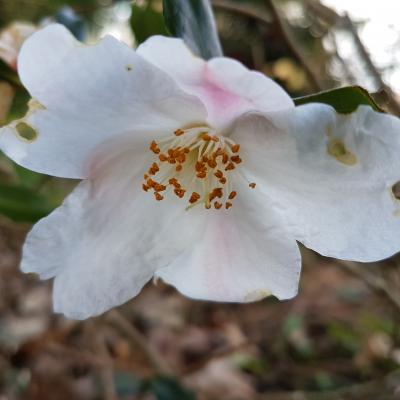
x=138, y=340
x=216, y=355
x=377, y=284
x=242, y=10
x=332, y=18
x=284, y=32
x=105, y=371
x=294, y=46
x=348, y=24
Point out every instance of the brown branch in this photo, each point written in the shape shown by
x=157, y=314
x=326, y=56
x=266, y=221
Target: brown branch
x=105, y=370
x=348, y=24
x=294, y=46
x=216, y=355
x=377, y=284
x=242, y=10
x=138, y=340
x=284, y=32
x=332, y=19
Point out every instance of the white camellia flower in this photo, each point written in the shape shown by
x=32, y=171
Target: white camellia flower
x=201, y=173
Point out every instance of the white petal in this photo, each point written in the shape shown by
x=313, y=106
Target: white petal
x=226, y=87
x=245, y=254
x=331, y=176
x=105, y=242
x=86, y=95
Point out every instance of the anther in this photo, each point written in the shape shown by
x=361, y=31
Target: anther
x=154, y=147
x=159, y=188
x=212, y=163
x=232, y=195
x=179, y=192
x=201, y=174
x=158, y=196
x=219, y=174
x=153, y=169
x=199, y=166
x=194, y=197
x=194, y=160
x=217, y=205
x=151, y=183
x=252, y=185
x=230, y=166
x=236, y=159
x=219, y=152
x=235, y=148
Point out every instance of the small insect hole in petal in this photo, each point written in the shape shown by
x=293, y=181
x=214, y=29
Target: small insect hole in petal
x=338, y=150
x=396, y=190
x=26, y=131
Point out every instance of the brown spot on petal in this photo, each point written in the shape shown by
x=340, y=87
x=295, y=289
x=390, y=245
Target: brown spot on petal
x=338, y=150
x=396, y=190
x=26, y=131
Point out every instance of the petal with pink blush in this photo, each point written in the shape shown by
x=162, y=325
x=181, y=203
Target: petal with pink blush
x=225, y=86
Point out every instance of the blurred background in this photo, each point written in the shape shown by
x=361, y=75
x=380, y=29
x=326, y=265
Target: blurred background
x=339, y=339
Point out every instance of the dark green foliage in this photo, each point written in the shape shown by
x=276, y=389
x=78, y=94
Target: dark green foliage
x=344, y=100
x=193, y=21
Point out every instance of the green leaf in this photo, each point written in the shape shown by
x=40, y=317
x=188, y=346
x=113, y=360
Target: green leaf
x=147, y=21
x=193, y=21
x=344, y=100
x=22, y=204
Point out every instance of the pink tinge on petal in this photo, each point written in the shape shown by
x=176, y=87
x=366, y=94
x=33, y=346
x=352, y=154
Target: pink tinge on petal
x=223, y=105
x=225, y=86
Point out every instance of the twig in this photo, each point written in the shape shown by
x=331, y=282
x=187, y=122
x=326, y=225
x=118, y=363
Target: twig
x=375, y=283
x=215, y=355
x=332, y=18
x=244, y=11
x=266, y=20
x=294, y=46
x=137, y=339
x=347, y=23
x=106, y=371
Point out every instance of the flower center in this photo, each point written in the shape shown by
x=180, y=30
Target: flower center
x=195, y=164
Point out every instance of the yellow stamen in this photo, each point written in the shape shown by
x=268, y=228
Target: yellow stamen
x=196, y=164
